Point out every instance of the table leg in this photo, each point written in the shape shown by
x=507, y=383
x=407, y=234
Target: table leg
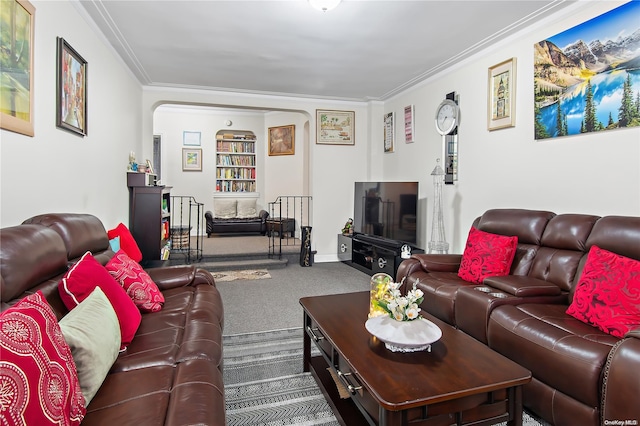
x=306, y=344
x=515, y=406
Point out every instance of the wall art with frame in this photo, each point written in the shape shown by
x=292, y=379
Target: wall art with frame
x=409, y=127
x=282, y=140
x=17, y=21
x=389, y=132
x=335, y=127
x=502, y=95
x=71, y=91
x=190, y=138
x=586, y=78
x=192, y=159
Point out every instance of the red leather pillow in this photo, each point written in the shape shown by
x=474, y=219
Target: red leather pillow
x=39, y=381
x=608, y=293
x=80, y=281
x=127, y=242
x=136, y=282
x=486, y=255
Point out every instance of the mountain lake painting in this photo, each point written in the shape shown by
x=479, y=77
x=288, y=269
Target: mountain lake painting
x=587, y=78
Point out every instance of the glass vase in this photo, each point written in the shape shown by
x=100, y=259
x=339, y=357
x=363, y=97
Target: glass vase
x=379, y=291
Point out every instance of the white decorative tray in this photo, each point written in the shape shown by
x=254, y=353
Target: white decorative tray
x=404, y=336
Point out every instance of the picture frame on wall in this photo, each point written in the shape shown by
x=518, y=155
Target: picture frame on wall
x=192, y=159
x=71, y=90
x=16, y=81
x=409, y=131
x=282, y=140
x=335, y=127
x=389, y=132
x=191, y=138
x=501, y=108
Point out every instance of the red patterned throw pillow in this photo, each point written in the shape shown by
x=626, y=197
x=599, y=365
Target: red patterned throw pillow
x=608, y=293
x=127, y=242
x=38, y=379
x=136, y=282
x=87, y=274
x=486, y=255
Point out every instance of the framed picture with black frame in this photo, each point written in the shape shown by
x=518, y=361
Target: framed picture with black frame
x=71, y=91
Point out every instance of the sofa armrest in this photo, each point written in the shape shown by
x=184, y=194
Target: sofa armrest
x=263, y=215
x=168, y=277
x=621, y=382
x=522, y=286
x=208, y=215
x=439, y=262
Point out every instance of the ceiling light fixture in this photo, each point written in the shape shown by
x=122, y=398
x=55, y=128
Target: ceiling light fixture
x=324, y=5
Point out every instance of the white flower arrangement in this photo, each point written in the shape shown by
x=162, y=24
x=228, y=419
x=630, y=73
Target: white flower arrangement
x=399, y=307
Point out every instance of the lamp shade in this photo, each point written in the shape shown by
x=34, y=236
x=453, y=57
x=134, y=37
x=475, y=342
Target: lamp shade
x=324, y=5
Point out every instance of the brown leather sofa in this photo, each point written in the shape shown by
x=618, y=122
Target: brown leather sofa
x=581, y=375
x=171, y=373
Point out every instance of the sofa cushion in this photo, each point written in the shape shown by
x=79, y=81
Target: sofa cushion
x=92, y=332
x=246, y=208
x=608, y=292
x=486, y=255
x=127, y=242
x=225, y=208
x=136, y=282
x=83, y=277
x=38, y=376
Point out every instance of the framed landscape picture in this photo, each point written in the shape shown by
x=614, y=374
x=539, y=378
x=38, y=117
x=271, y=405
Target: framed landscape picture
x=335, y=127
x=586, y=78
x=282, y=140
x=16, y=72
x=71, y=91
x=192, y=159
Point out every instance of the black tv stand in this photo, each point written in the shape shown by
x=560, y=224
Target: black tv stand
x=373, y=254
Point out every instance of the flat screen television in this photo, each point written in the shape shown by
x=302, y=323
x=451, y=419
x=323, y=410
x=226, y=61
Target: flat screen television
x=386, y=209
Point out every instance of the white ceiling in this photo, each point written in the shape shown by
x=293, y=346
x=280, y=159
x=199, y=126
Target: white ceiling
x=362, y=50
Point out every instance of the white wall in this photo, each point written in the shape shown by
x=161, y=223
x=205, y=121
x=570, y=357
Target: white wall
x=171, y=121
x=593, y=173
x=57, y=171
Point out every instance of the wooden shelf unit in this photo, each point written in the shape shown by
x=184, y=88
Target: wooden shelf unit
x=235, y=161
x=150, y=219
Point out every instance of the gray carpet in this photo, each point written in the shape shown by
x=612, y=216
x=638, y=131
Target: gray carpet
x=265, y=385
x=273, y=304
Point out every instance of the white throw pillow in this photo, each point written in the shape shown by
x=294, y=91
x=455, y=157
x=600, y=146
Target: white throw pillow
x=92, y=332
x=247, y=208
x=225, y=209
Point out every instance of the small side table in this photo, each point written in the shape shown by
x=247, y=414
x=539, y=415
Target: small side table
x=281, y=225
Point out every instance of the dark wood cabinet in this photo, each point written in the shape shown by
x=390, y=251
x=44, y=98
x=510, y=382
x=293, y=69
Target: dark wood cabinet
x=149, y=219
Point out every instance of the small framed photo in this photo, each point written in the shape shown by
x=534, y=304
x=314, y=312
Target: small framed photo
x=16, y=82
x=335, y=127
x=192, y=159
x=501, y=109
x=190, y=138
x=282, y=140
x=409, y=131
x=71, y=91
x=389, y=132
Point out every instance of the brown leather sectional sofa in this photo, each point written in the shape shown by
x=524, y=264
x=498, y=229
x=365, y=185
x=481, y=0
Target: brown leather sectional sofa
x=171, y=373
x=581, y=375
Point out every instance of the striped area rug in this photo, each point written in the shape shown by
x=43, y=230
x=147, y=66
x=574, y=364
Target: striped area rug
x=265, y=385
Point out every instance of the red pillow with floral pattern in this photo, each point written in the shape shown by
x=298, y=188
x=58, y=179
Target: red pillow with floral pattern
x=38, y=378
x=486, y=255
x=136, y=282
x=607, y=295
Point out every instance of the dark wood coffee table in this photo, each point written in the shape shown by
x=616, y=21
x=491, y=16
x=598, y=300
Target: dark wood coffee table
x=461, y=381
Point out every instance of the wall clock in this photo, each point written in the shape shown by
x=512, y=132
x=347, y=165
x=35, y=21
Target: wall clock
x=447, y=116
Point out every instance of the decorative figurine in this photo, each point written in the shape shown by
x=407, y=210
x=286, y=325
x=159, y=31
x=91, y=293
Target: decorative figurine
x=348, y=227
